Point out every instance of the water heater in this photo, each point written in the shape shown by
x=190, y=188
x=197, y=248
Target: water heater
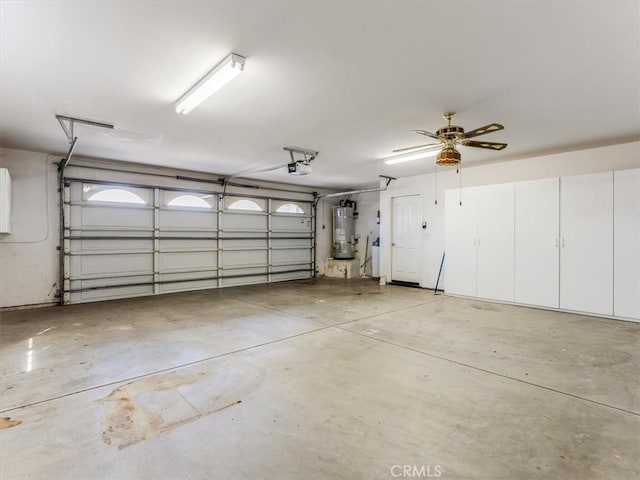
x=343, y=232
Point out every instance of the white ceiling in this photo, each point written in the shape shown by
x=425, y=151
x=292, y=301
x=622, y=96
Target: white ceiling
x=348, y=78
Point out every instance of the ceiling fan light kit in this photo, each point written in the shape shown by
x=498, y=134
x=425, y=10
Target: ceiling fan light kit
x=448, y=156
x=218, y=77
x=449, y=137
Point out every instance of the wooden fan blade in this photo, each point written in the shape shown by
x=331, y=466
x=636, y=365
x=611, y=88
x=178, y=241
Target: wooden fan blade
x=416, y=147
x=426, y=134
x=492, y=127
x=489, y=145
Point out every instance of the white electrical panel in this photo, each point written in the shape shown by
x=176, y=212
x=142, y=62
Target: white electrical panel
x=5, y=201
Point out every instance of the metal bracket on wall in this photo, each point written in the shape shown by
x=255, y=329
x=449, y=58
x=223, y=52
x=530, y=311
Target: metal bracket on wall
x=67, y=124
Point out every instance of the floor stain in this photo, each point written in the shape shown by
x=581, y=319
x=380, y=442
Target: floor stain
x=127, y=423
x=485, y=306
x=155, y=405
x=6, y=422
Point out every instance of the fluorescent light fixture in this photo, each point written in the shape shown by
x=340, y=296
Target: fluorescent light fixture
x=407, y=157
x=223, y=73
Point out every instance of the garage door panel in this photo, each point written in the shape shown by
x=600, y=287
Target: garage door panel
x=283, y=277
x=179, y=220
x=111, y=264
x=91, y=217
x=244, y=258
x=111, y=293
x=185, y=245
x=175, y=235
x=290, y=223
x=291, y=255
x=243, y=271
x=293, y=242
x=245, y=243
x=105, y=245
x=244, y=222
x=184, y=261
x=232, y=282
x=202, y=274
x=186, y=286
x=286, y=267
x=110, y=282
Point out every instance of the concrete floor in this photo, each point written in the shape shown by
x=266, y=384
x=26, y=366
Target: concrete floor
x=319, y=379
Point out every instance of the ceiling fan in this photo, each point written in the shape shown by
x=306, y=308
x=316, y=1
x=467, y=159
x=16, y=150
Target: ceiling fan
x=451, y=136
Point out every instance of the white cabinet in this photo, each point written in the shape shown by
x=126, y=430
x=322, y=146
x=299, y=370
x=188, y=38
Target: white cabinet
x=586, y=254
x=479, y=242
x=571, y=243
x=495, y=243
x=626, y=234
x=460, y=242
x=537, y=253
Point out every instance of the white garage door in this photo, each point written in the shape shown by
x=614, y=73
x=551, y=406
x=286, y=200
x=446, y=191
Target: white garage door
x=123, y=241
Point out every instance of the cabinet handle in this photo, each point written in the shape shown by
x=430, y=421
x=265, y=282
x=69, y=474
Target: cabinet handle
x=557, y=243
x=478, y=241
x=563, y=242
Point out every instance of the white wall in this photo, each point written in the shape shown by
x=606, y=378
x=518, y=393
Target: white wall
x=366, y=226
x=616, y=157
x=28, y=256
x=29, y=259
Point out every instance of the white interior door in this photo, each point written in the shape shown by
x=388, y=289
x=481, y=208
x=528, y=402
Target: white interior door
x=495, y=242
x=460, y=242
x=537, y=259
x=586, y=253
x=626, y=293
x=406, y=253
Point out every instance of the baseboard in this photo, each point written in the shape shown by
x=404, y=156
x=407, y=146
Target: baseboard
x=549, y=309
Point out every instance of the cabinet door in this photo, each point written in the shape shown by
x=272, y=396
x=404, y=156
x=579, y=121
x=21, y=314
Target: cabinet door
x=495, y=243
x=626, y=248
x=537, y=259
x=586, y=253
x=460, y=243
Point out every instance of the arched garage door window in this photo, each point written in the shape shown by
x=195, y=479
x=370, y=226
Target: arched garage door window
x=116, y=195
x=246, y=205
x=189, y=201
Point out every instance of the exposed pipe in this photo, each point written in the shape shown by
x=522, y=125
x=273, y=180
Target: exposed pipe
x=366, y=190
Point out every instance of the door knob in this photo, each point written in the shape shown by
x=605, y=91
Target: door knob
x=393, y=244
